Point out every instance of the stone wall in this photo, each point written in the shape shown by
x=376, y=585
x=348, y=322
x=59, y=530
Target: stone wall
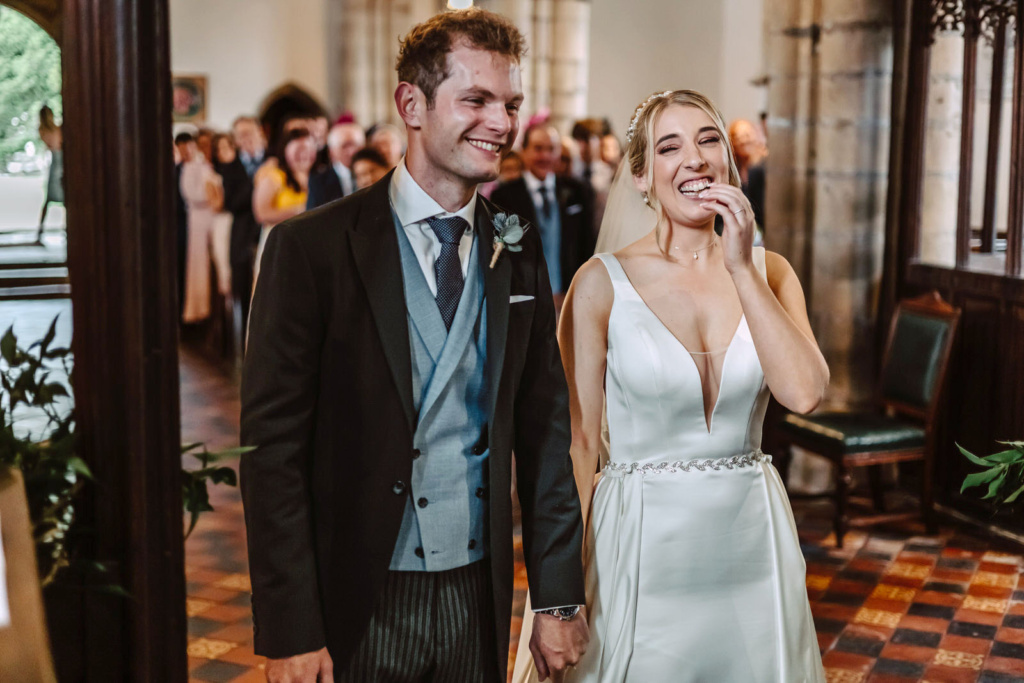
x=830, y=72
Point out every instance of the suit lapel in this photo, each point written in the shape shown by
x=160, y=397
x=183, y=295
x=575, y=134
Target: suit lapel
x=375, y=250
x=497, y=284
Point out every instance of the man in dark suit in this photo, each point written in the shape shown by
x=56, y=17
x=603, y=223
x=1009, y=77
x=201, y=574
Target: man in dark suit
x=560, y=208
x=336, y=180
x=390, y=371
x=245, y=231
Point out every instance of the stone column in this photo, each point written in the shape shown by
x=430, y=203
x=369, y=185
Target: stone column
x=940, y=191
x=570, y=59
x=363, y=53
x=830, y=67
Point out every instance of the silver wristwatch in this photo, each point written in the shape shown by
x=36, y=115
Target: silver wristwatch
x=562, y=613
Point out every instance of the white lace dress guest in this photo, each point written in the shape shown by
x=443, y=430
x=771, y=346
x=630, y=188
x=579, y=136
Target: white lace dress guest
x=694, y=571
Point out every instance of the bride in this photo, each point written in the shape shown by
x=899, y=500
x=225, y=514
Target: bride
x=694, y=572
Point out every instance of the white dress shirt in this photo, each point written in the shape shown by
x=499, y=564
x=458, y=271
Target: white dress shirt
x=414, y=206
x=344, y=173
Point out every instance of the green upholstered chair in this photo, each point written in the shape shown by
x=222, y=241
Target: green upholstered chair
x=900, y=429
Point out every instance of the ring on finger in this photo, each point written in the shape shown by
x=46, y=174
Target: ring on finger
x=738, y=211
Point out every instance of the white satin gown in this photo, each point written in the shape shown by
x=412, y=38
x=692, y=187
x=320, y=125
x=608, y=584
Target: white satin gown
x=693, y=568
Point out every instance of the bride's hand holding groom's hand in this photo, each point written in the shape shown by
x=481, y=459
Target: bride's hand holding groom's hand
x=557, y=645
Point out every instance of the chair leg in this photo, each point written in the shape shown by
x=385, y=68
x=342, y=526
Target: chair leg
x=843, y=481
x=877, y=491
x=927, y=492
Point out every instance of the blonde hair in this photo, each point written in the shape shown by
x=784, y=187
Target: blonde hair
x=640, y=146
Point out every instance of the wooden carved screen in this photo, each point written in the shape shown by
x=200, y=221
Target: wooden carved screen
x=956, y=210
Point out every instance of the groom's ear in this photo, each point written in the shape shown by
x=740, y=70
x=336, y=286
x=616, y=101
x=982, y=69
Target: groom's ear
x=411, y=103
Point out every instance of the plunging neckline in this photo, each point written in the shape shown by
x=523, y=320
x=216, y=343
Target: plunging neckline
x=709, y=418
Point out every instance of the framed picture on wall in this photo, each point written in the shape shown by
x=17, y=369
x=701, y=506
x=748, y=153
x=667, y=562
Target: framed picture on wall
x=188, y=97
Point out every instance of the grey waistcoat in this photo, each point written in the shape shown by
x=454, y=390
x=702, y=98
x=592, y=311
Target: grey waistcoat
x=445, y=520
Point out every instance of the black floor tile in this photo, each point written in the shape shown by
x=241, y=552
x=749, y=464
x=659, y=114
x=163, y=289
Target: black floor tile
x=859, y=575
x=960, y=563
x=907, y=636
x=860, y=646
x=1014, y=621
x=972, y=630
x=873, y=555
x=1000, y=649
x=998, y=677
x=848, y=599
x=923, y=548
x=1018, y=595
x=825, y=625
x=199, y=627
x=897, y=667
x=944, y=587
x=215, y=671
x=920, y=609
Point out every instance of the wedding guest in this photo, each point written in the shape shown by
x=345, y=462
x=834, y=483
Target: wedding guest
x=204, y=196
x=204, y=141
x=592, y=169
x=386, y=139
x=611, y=150
x=336, y=180
x=52, y=136
x=368, y=166
x=561, y=208
x=318, y=127
x=238, y=189
x=511, y=167
x=224, y=154
x=750, y=151
x=281, y=190
x=181, y=142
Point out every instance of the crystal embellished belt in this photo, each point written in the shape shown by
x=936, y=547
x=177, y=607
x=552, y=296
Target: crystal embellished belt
x=732, y=463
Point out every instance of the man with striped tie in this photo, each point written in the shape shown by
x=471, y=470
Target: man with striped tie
x=398, y=349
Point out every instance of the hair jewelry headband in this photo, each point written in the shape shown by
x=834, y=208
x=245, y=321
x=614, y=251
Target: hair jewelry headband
x=639, y=110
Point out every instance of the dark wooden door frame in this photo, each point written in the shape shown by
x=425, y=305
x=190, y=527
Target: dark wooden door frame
x=121, y=257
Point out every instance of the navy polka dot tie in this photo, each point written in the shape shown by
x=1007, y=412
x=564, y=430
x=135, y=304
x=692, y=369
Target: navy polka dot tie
x=448, y=266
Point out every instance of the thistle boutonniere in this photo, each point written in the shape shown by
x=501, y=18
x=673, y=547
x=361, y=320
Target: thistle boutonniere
x=507, y=233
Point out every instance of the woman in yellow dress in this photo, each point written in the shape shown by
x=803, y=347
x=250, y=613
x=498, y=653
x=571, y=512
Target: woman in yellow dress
x=281, y=185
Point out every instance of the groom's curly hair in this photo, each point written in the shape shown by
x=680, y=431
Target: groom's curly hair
x=423, y=53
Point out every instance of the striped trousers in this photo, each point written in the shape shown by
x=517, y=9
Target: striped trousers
x=429, y=626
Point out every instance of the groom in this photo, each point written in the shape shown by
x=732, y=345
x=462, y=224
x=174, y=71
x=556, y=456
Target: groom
x=392, y=366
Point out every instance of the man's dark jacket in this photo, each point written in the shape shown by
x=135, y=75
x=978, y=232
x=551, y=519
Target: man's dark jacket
x=327, y=402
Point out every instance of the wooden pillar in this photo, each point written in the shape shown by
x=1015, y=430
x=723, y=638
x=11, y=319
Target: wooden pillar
x=121, y=256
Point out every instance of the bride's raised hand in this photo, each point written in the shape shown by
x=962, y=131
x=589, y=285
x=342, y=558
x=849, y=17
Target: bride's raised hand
x=729, y=202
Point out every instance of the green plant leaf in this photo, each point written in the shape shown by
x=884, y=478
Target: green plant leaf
x=9, y=346
x=188, y=448
x=1004, y=457
x=979, y=478
x=229, y=453
x=993, y=488
x=972, y=457
x=79, y=466
x=1013, y=496
x=48, y=339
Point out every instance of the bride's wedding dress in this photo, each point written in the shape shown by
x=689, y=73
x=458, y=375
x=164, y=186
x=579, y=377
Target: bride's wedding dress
x=694, y=571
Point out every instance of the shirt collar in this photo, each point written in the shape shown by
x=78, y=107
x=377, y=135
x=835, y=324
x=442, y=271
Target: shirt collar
x=413, y=205
x=533, y=184
x=341, y=169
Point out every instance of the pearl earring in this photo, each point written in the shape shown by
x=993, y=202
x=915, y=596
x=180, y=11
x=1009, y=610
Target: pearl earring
x=647, y=200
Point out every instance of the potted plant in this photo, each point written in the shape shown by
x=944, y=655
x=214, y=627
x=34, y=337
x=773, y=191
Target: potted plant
x=1003, y=473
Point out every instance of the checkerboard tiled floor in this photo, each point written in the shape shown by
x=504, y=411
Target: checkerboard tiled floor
x=889, y=607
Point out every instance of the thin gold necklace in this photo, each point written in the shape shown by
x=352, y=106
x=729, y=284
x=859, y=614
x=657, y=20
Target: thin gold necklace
x=706, y=246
